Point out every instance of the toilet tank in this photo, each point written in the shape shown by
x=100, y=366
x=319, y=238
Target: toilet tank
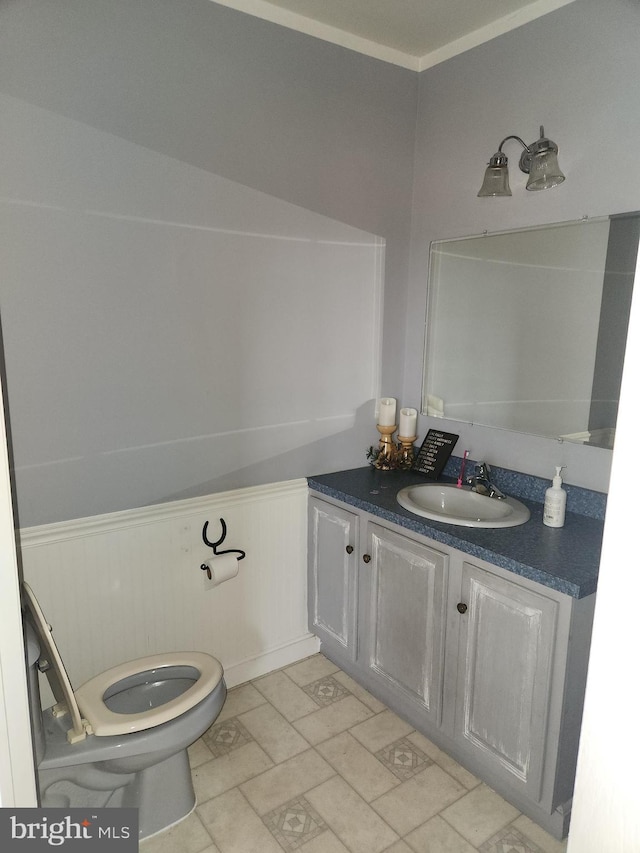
x=32, y=649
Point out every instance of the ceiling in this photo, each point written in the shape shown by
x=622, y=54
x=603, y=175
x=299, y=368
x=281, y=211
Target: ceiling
x=414, y=34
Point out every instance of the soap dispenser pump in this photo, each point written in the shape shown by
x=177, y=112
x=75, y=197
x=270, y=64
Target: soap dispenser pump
x=555, y=502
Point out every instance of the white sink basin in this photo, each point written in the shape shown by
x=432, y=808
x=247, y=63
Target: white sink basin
x=451, y=504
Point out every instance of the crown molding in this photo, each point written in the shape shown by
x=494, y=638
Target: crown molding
x=294, y=21
x=325, y=32
x=491, y=31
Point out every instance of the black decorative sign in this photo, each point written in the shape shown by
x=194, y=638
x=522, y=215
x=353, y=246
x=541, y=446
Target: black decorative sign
x=435, y=450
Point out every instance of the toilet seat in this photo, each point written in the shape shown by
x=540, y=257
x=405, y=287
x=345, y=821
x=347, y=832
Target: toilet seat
x=88, y=712
x=105, y=722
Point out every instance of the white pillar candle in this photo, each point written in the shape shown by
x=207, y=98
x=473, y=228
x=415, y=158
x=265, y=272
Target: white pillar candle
x=387, y=415
x=408, y=422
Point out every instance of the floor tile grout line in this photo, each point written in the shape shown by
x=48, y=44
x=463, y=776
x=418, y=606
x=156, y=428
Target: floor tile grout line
x=336, y=833
x=246, y=800
x=235, y=717
x=310, y=745
x=296, y=796
x=448, y=822
x=331, y=704
x=206, y=828
x=310, y=748
x=337, y=773
x=289, y=722
x=463, y=792
x=350, y=786
x=523, y=832
x=301, y=687
x=331, y=764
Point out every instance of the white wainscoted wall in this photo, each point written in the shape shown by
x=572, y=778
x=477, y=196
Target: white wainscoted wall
x=129, y=584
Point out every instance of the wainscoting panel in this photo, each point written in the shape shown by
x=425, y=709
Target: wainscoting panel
x=128, y=584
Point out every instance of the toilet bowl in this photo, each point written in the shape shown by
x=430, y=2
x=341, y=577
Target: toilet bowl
x=120, y=740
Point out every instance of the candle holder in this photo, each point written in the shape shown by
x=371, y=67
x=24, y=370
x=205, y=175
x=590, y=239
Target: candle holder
x=405, y=451
x=387, y=457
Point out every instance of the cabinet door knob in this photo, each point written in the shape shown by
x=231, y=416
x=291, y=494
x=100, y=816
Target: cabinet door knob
x=462, y=607
x=349, y=549
x=366, y=558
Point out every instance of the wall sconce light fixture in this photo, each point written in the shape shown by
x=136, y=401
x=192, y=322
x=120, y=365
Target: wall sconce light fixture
x=539, y=160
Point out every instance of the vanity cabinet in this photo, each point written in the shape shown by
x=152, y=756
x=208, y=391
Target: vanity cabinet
x=489, y=665
x=333, y=577
x=505, y=656
x=403, y=593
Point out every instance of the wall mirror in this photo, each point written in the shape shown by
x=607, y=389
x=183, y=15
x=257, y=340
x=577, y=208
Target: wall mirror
x=526, y=329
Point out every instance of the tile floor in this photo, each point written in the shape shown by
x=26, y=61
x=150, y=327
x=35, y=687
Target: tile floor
x=305, y=760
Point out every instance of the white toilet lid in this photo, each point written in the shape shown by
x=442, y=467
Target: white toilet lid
x=56, y=673
x=87, y=704
x=105, y=722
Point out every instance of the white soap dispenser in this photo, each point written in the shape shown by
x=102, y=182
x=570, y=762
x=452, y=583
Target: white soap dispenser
x=555, y=502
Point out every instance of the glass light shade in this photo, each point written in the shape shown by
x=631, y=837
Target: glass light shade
x=496, y=181
x=544, y=172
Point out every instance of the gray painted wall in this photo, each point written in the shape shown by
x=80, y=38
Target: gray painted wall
x=222, y=97
x=333, y=132
x=167, y=335
x=576, y=71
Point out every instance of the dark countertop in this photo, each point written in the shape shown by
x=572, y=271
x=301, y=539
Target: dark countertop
x=565, y=559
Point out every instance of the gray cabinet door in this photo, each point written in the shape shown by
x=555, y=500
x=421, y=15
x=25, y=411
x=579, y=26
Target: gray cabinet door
x=405, y=587
x=507, y=636
x=333, y=551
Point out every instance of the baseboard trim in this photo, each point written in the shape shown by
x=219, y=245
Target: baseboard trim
x=266, y=662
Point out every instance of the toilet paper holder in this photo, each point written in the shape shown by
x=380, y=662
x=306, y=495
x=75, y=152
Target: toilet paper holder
x=214, y=545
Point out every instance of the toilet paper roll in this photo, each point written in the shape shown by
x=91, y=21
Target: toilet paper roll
x=223, y=568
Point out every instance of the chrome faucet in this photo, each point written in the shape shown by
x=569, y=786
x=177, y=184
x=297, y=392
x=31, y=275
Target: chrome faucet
x=481, y=482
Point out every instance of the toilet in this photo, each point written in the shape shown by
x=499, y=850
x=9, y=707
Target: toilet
x=120, y=740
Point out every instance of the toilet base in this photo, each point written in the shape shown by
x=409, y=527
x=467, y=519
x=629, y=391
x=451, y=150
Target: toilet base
x=162, y=793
